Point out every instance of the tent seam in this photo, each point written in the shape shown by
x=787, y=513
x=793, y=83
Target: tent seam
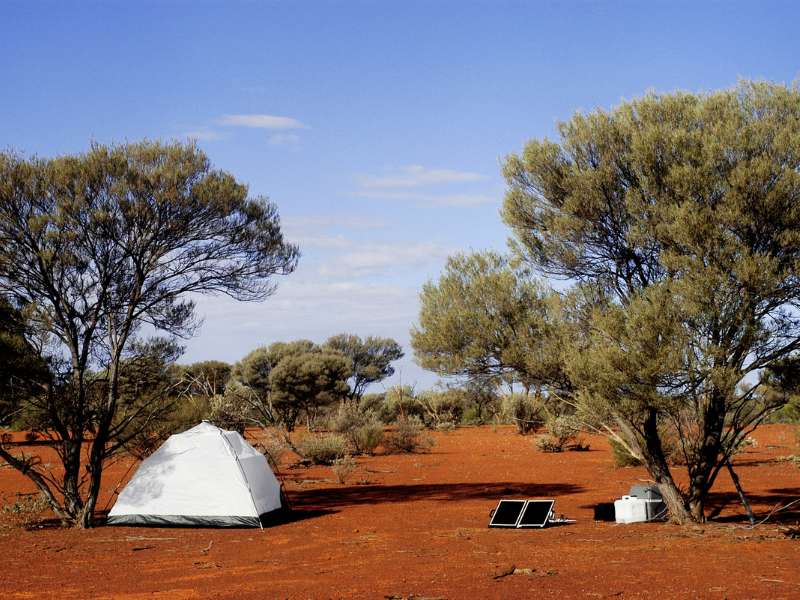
x=244, y=476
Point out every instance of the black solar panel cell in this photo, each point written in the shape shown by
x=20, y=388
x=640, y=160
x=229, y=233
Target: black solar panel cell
x=536, y=513
x=507, y=513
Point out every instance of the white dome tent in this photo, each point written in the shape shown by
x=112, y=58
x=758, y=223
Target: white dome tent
x=203, y=477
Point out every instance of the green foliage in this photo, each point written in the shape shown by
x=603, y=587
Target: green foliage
x=407, y=436
x=481, y=400
x=622, y=456
x=323, y=449
x=378, y=406
x=678, y=216
x=113, y=241
x=443, y=409
x=22, y=370
x=525, y=412
x=401, y=401
x=254, y=369
x=487, y=318
x=304, y=382
x=205, y=378
x=363, y=430
x=370, y=359
x=562, y=433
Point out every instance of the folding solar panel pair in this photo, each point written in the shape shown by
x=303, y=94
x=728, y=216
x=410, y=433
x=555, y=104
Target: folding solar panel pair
x=521, y=513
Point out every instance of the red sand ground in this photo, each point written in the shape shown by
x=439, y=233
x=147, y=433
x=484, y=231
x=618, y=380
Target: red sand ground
x=415, y=525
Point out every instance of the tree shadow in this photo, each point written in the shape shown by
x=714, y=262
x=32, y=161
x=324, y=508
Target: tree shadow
x=329, y=498
x=761, y=504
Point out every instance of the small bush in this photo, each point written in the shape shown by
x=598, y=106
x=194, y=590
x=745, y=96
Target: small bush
x=525, y=412
x=377, y=405
x=440, y=408
x=27, y=510
x=323, y=449
x=366, y=438
x=562, y=433
x=343, y=467
x=273, y=446
x=547, y=443
x=401, y=402
x=407, y=437
x=363, y=430
x=228, y=412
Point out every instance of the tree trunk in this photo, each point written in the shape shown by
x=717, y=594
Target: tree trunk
x=656, y=463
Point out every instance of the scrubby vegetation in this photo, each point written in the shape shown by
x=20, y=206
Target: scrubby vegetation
x=407, y=436
x=323, y=449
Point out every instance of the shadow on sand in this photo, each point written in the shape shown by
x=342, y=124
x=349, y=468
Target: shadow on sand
x=330, y=498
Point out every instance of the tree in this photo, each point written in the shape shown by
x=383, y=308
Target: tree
x=23, y=371
x=306, y=382
x=681, y=212
x=103, y=244
x=370, y=359
x=251, y=378
x=148, y=396
x=210, y=375
x=487, y=320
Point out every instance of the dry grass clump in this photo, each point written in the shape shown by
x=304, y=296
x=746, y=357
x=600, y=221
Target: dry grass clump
x=407, y=436
x=343, y=467
x=323, y=449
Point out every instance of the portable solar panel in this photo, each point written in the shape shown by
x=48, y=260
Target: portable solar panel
x=507, y=513
x=536, y=513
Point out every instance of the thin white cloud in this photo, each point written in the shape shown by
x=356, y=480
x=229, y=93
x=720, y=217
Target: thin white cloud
x=204, y=134
x=367, y=259
x=261, y=122
x=413, y=176
x=325, y=242
x=309, y=309
x=430, y=199
x=324, y=221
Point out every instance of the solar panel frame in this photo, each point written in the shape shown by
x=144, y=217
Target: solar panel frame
x=494, y=521
x=541, y=521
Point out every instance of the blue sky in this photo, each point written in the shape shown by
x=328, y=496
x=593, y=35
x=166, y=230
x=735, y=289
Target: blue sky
x=378, y=128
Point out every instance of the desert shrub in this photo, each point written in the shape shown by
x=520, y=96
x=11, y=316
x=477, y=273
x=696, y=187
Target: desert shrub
x=323, y=449
x=401, y=402
x=363, y=430
x=407, y=436
x=228, y=412
x=525, y=412
x=441, y=408
x=343, y=467
x=273, y=444
x=26, y=510
x=562, y=433
x=366, y=438
x=482, y=403
x=376, y=404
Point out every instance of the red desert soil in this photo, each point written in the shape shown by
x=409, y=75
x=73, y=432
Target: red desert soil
x=416, y=525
